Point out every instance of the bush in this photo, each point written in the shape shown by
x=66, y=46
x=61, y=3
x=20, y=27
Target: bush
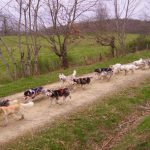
x=142, y=42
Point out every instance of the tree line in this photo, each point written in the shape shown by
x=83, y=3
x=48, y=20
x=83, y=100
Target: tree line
x=60, y=23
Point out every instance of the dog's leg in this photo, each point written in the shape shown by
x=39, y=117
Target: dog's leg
x=33, y=96
x=16, y=117
x=99, y=76
x=64, y=99
x=70, y=96
x=22, y=116
x=110, y=76
x=5, y=119
x=51, y=99
x=125, y=72
x=57, y=100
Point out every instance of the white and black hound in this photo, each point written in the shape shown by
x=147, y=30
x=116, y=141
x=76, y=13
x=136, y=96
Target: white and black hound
x=32, y=93
x=4, y=103
x=63, y=92
x=104, y=72
x=82, y=81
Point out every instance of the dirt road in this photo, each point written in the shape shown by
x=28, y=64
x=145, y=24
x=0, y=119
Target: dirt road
x=43, y=112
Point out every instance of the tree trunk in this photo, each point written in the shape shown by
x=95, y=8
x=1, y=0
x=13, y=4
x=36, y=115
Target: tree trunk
x=113, y=51
x=64, y=61
x=22, y=61
x=28, y=67
x=64, y=56
x=8, y=72
x=11, y=56
x=36, y=66
x=112, y=44
x=36, y=55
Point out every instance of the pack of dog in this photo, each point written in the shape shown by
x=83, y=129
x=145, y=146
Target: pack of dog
x=104, y=73
x=100, y=70
x=69, y=78
x=4, y=103
x=62, y=92
x=15, y=109
x=129, y=67
x=82, y=81
x=32, y=93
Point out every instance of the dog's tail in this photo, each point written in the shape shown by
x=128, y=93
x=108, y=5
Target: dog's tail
x=74, y=73
x=90, y=77
x=27, y=105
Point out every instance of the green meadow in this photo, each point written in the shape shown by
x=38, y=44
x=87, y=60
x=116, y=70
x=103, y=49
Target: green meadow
x=82, y=52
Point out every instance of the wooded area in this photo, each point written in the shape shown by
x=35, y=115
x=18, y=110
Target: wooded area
x=61, y=23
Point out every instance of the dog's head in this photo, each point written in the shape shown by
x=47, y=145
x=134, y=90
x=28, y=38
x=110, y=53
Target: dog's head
x=48, y=92
x=27, y=94
x=97, y=70
x=4, y=102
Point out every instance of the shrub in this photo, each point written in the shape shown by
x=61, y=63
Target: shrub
x=142, y=42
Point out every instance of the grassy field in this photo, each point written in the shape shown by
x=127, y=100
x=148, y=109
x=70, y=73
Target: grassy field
x=88, y=128
x=7, y=88
x=82, y=49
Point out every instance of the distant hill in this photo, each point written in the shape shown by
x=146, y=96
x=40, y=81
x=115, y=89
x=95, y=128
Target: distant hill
x=132, y=26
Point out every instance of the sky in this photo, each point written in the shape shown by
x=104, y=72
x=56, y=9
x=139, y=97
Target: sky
x=8, y=7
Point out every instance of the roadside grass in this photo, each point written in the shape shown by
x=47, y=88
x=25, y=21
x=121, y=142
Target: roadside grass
x=87, y=128
x=138, y=138
x=19, y=85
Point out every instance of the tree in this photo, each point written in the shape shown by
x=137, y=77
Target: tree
x=28, y=24
x=123, y=10
x=107, y=41
x=63, y=16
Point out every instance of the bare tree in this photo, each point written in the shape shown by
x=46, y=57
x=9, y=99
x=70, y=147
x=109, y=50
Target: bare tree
x=36, y=45
x=107, y=41
x=101, y=12
x=5, y=26
x=12, y=58
x=63, y=16
x=103, y=36
x=22, y=53
x=123, y=10
x=101, y=17
x=28, y=24
x=6, y=64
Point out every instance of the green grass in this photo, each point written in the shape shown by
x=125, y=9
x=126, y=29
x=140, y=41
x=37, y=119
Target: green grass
x=87, y=128
x=48, y=61
x=19, y=85
x=138, y=138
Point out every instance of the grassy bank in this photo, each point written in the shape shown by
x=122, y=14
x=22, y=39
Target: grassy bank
x=88, y=128
x=25, y=83
x=138, y=138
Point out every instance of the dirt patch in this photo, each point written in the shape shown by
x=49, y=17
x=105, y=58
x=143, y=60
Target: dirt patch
x=43, y=113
